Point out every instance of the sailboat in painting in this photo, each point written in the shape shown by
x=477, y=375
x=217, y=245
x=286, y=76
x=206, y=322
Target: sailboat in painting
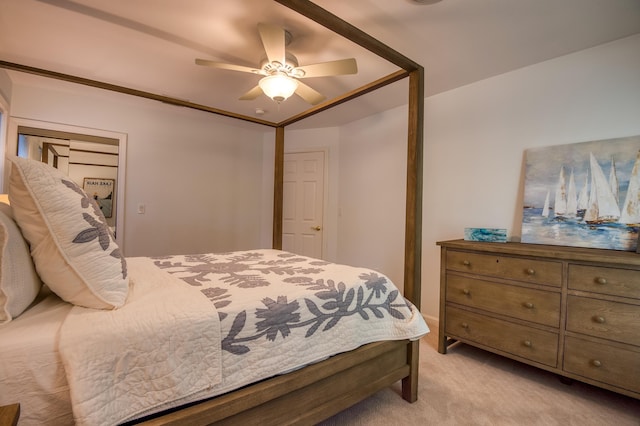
x=602, y=206
x=613, y=182
x=572, y=197
x=560, y=204
x=566, y=199
x=630, y=214
x=583, y=197
x=545, y=208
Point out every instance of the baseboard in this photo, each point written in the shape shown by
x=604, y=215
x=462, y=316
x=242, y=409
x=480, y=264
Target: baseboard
x=430, y=320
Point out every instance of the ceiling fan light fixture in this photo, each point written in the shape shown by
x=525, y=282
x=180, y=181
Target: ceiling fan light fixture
x=278, y=87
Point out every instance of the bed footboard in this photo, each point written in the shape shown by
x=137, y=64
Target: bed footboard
x=311, y=394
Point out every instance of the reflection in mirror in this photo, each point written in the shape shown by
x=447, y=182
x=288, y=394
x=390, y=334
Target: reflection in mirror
x=54, y=152
x=90, y=161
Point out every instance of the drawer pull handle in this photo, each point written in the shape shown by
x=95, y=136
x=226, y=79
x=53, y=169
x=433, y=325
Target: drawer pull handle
x=601, y=280
x=466, y=291
x=531, y=271
x=529, y=305
x=466, y=263
x=465, y=325
x=598, y=319
x=527, y=343
x=596, y=363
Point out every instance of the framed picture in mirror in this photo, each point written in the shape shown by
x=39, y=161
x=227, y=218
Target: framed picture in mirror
x=101, y=190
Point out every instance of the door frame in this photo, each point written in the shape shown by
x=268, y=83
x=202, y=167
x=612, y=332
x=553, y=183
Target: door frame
x=327, y=225
x=11, y=146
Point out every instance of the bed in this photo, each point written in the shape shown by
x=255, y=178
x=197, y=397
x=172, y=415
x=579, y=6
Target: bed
x=251, y=316
x=297, y=394
x=190, y=328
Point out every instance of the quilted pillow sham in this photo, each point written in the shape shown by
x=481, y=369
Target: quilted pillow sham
x=71, y=244
x=19, y=282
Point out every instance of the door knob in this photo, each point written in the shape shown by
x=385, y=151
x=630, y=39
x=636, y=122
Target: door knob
x=316, y=228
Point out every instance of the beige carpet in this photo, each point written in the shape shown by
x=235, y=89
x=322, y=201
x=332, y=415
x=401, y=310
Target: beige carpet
x=468, y=386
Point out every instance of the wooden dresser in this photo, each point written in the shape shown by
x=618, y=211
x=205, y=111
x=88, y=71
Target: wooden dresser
x=572, y=311
x=9, y=415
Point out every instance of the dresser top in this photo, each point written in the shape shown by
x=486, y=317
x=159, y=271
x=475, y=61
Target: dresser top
x=549, y=251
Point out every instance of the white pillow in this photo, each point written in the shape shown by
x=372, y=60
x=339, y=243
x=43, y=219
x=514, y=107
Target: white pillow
x=71, y=244
x=19, y=282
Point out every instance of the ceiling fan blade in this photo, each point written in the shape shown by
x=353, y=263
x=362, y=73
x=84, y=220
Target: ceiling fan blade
x=273, y=40
x=308, y=94
x=251, y=94
x=224, y=66
x=323, y=69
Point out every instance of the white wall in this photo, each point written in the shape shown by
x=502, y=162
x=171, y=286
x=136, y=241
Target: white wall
x=373, y=155
x=198, y=175
x=475, y=138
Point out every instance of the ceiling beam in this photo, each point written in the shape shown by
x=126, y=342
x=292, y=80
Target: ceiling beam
x=391, y=78
x=350, y=32
x=129, y=91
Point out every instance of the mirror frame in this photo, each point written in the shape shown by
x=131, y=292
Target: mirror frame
x=12, y=149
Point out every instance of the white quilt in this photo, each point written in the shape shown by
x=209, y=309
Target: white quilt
x=163, y=345
x=280, y=311
x=250, y=314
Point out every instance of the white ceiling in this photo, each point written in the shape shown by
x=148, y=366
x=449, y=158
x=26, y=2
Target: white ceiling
x=150, y=45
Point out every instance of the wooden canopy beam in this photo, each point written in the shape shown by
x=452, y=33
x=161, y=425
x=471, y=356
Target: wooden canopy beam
x=127, y=91
x=391, y=78
x=348, y=31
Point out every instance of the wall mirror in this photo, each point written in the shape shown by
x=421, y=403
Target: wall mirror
x=93, y=159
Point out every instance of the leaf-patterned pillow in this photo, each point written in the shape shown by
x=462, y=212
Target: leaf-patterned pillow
x=19, y=282
x=71, y=244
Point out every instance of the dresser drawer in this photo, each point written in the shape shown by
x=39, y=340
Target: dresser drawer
x=542, y=307
x=601, y=318
x=521, y=269
x=604, y=363
x=616, y=282
x=526, y=342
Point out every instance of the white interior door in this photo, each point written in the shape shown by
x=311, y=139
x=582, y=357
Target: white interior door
x=303, y=198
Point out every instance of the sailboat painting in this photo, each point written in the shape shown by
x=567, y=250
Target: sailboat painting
x=583, y=194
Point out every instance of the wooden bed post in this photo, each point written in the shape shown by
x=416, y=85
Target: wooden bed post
x=278, y=187
x=413, y=222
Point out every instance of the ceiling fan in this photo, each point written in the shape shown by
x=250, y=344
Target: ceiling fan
x=281, y=70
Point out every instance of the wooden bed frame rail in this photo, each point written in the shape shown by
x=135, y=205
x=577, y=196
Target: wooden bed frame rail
x=305, y=396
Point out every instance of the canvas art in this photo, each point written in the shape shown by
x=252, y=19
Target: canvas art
x=584, y=194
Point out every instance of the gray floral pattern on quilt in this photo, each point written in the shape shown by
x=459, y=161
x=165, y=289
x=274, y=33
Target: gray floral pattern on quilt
x=325, y=301
x=98, y=226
